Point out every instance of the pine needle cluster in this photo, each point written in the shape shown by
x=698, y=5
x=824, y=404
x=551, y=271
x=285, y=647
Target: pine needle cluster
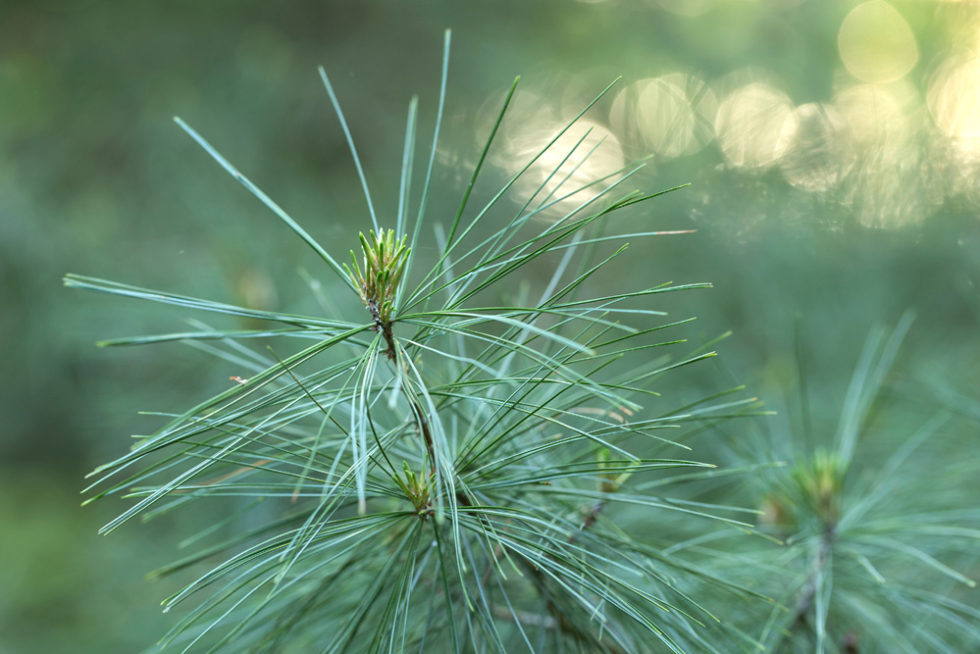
x=461, y=468
x=877, y=524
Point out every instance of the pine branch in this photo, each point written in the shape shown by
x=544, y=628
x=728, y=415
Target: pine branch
x=455, y=495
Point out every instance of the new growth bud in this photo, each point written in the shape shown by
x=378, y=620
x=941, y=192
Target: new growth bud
x=378, y=277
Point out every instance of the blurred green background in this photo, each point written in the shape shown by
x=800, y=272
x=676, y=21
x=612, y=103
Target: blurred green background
x=833, y=149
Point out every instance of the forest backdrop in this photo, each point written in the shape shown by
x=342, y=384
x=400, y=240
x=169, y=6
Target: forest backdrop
x=833, y=151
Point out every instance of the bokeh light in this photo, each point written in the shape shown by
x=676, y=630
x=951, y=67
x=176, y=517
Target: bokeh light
x=749, y=125
x=876, y=44
x=895, y=180
x=816, y=156
x=954, y=101
x=671, y=115
x=876, y=115
x=584, y=153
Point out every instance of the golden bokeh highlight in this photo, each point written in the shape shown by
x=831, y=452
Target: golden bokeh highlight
x=876, y=43
x=816, y=157
x=584, y=153
x=954, y=101
x=893, y=180
x=670, y=115
x=881, y=150
x=749, y=125
x=875, y=115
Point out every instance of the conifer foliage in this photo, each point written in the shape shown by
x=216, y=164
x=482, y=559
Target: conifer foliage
x=455, y=467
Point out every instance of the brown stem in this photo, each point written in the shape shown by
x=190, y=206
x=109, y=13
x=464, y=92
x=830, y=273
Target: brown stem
x=423, y=425
x=560, y=618
x=389, y=340
x=589, y=520
x=383, y=327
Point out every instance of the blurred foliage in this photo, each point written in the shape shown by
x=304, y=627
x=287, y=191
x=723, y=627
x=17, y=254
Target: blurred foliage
x=833, y=183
